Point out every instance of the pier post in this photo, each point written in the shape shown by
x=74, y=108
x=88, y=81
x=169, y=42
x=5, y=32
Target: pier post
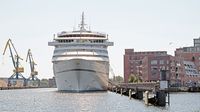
x=146, y=97
x=161, y=98
x=139, y=95
x=121, y=91
x=130, y=93
x=116, y=90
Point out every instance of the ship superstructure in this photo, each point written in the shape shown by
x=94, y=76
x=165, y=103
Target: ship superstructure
x=80, y=59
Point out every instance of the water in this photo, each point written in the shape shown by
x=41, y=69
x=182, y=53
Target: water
x=50, y=100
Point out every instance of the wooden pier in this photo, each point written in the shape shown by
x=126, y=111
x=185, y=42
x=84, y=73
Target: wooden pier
x=150, y=92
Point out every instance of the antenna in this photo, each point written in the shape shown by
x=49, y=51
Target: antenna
x=74, y=27
x=89, y=28
x=82, y=25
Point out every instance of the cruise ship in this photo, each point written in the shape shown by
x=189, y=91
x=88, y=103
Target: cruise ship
x=80, y=59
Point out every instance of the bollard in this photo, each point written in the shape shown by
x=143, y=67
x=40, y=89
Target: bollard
x=130, y=93
x=146, y=97
x=121, y=91
x=116, y=90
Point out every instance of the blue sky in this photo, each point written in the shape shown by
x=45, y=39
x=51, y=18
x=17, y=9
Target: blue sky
x=140, y=24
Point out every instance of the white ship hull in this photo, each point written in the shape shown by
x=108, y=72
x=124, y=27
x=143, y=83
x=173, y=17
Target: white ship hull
x=78, y=75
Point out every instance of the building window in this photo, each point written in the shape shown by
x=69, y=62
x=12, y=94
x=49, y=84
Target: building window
x=131, y=70
x=161, y=62
x=154, y=71
x=140, y=62
x=154, y=62
x=130, y=58
x=167, y=62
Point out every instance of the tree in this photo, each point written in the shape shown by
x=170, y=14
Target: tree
x=119, y=79
x=134, y=78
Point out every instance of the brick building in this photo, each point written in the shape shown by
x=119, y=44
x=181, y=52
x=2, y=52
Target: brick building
x=188, y=64
x=151, y=66
x=182, y=69
x=146, y=65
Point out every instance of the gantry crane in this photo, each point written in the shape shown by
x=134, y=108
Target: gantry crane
x=32, y=66
x=15, y=60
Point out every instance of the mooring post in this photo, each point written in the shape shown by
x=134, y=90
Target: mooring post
x=146, y=97
x=168, y=97
x=130, y=93
x=116, y=90
x=121, y=91
x=139, y=95
x=161, y=97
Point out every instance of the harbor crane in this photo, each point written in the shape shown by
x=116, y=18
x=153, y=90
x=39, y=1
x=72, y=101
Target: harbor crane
x=32, y=66
x=15, y=60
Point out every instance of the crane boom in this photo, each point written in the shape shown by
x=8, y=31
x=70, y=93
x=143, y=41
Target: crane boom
x=11, y=53
x=9, y=43
x=30, y=61
x=15, y=59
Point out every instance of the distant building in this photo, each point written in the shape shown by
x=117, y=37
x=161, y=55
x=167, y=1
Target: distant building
x=52, y=82
x=188, y=59
x=3, y=82
x=17, y=82
x=182, y=69
x=146, y=65
x=177, y=71
x=44, y=83
x=197, y=42
x=33, y=83
x=152, y=66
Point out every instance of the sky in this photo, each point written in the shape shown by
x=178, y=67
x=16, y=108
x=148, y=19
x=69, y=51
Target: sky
x=145, y=25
